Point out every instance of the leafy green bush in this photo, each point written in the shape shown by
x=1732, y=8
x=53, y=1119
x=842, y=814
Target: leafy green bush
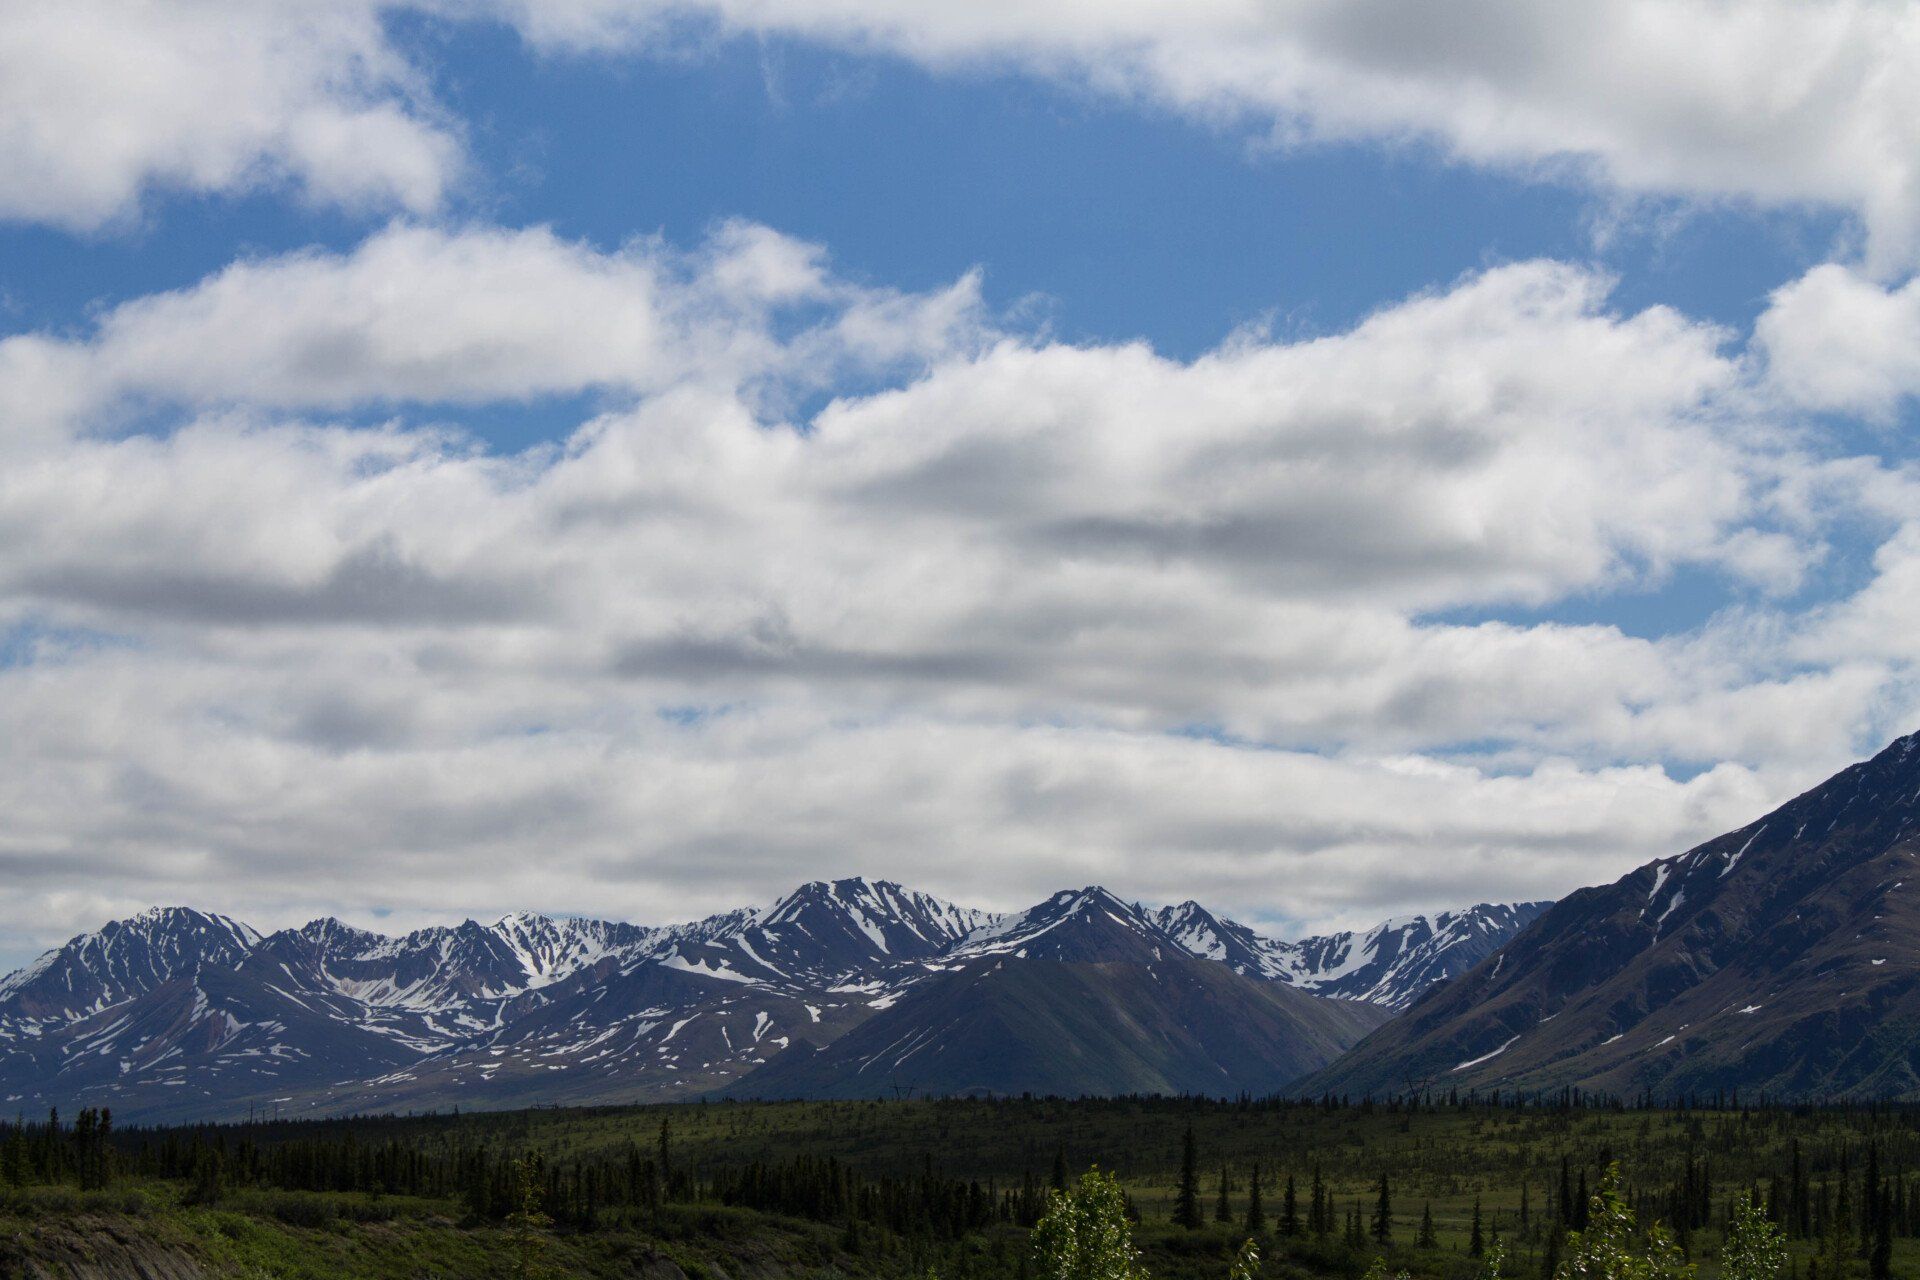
x=1085, y=1234
x=1755, y=1248
x=1609, y=1248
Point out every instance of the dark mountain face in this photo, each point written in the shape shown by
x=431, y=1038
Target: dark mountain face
x=215, y=1042
x=1159, y=1021
x=180, y=1015
x=1782, y=957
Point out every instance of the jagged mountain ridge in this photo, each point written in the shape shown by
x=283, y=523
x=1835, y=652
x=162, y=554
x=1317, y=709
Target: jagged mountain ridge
x=1081, y=994
x=1782, y=957
x=122, y=960
x=1391, y=964
x=189, y=1013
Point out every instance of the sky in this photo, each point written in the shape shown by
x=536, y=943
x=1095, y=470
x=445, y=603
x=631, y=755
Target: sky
x=629, y=457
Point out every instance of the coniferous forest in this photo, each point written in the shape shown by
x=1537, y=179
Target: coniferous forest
x=1443, y=1187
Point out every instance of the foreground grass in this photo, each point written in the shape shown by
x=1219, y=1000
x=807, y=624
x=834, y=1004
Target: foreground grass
x=324, y=1236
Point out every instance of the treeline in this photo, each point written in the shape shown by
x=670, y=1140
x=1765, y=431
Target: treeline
x=489, y=1180
x=53, y=1152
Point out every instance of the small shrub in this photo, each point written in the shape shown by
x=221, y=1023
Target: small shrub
x=297, y=1210
x=367, y=1209
x=54, y=1201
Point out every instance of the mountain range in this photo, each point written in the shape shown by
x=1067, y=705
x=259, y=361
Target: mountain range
x=1782, y=958
x=178, y=1014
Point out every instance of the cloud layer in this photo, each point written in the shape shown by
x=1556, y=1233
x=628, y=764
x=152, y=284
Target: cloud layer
x=837, y=578
x=823, y=576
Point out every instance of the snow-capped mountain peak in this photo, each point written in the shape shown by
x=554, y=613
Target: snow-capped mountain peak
x=121, y=960
x=548, y=950
x=1391, y=963
x=1089, y=925
x=823, y=929
x=897, y=921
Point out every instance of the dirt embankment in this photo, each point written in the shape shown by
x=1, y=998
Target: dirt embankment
x=88, y=1249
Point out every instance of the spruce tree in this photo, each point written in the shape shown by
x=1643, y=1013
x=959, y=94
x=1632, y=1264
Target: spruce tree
x=1476, y=1241
x=1256, y=1212
x=528, y=1222
x=1383, y=1214
x=1222, y=1208
x=1186, y=1205
x=1870, y=1201
x=1290, y=1210
x=1427, y=1239
x=666, y=1157
x=1880, y=1256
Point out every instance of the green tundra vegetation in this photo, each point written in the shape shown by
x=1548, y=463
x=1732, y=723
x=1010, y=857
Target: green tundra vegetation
x=981, y=1189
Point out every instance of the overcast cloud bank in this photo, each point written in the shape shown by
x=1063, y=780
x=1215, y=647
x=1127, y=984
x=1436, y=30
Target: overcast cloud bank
x=836, y=578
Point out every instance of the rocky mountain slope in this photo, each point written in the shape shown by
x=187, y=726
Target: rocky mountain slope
x=1081, y=994
x=175, y=1013
x=1783, y=957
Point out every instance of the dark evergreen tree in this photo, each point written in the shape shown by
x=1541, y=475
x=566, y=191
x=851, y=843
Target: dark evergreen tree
x=1186, y=1204
x=666, y=1155
x=1880, y=1255
x=1427, y=1239
x=1256, y=1212
x=1476, y=1239
x=1290, y=1210
x=1800, y=1211
x=1383, y=1213
x=1222, y=1207
x=1870, y=1200
x=529, y=1221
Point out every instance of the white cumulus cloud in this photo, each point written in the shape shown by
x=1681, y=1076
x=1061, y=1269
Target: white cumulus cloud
x=1771, y=102
x=836, y=577
x=102, y=101
x=1837, y=342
